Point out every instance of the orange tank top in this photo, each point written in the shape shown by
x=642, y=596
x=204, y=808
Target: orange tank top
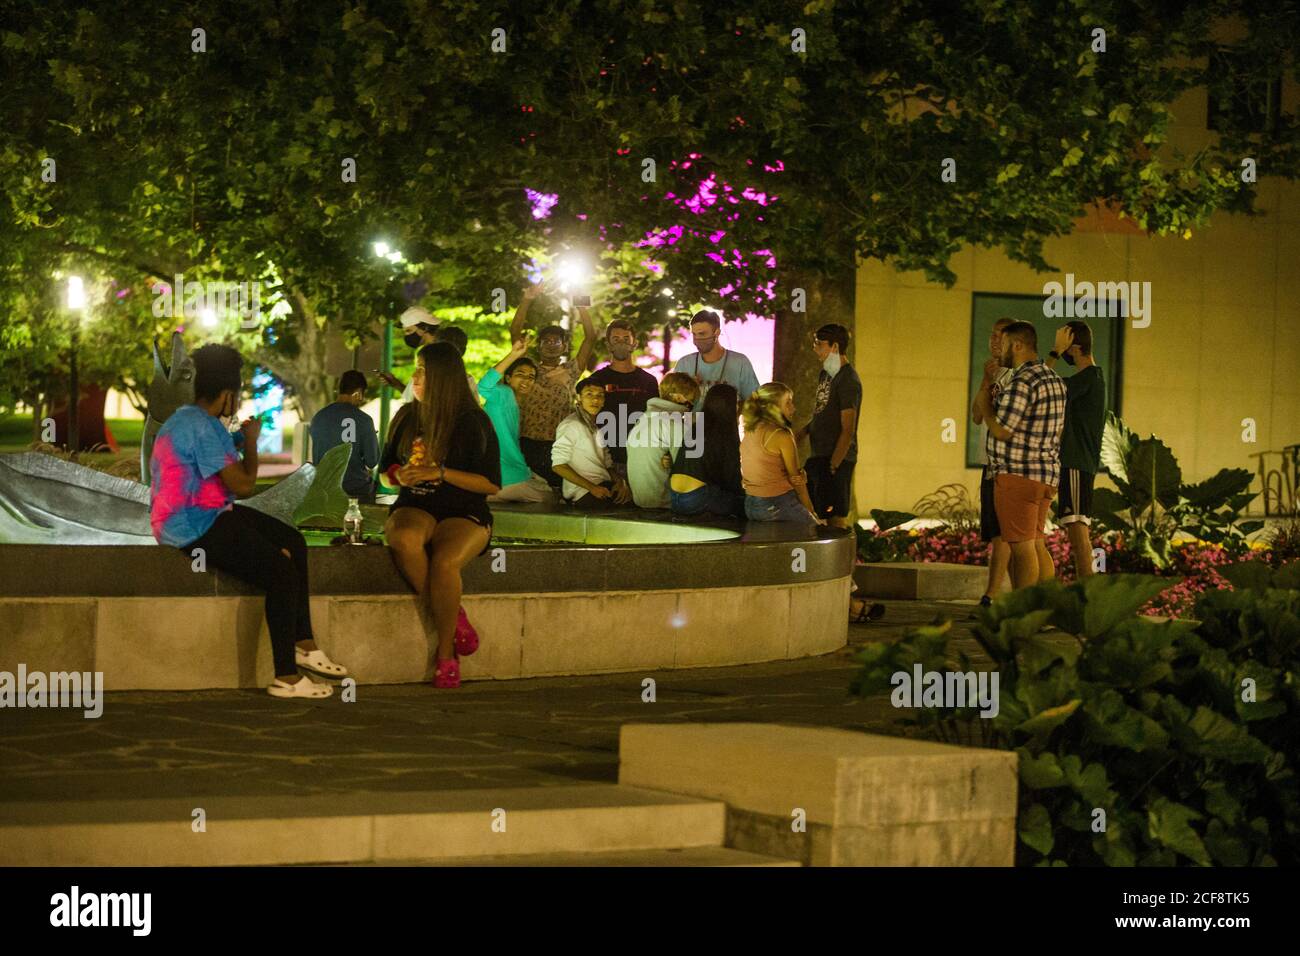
x=762, y=472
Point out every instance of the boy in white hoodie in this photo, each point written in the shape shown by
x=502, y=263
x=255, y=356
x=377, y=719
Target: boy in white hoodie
x=656, y=437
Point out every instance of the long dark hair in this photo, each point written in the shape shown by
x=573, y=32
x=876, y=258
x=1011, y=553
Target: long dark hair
x=446, y=398
x=721, y=436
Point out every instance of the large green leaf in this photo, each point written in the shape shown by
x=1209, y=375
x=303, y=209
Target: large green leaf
x=1153, y=474
x=1109, y=510
x=1218, y=737
x=1216, y=491
x=1116, y=444
x=1035, y=828
x=1044, y=722
x=886, y=520
x=325, y=501
x=1112, y=598
x=1248, y=575
x=1170, y=824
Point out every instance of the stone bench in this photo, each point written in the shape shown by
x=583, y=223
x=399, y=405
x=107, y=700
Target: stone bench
x=867, y=800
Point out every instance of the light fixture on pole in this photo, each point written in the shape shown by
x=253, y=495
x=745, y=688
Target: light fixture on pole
x=76, y=305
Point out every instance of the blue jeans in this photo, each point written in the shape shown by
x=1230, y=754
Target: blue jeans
x=786, y=507
x=707, y=499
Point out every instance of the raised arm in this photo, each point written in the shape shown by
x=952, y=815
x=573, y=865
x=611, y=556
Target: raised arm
x=588, y=346
x=518, y=351
x=521, y=313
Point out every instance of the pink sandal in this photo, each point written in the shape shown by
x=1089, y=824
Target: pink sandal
x=466, y=636
x=446, y=674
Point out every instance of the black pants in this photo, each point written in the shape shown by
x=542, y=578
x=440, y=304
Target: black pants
x=247, y=544
x=537, y=454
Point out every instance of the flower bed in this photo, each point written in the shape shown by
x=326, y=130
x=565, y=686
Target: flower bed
x=1197, y=563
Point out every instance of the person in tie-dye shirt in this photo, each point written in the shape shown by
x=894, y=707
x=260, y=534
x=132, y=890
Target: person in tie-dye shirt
x=196, y=474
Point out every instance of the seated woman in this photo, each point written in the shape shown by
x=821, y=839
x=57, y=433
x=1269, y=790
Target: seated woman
x=195, y=475
x=582, y=461
x=710, y=482
x=442, y=451
x=776, y=488
x=501, y=388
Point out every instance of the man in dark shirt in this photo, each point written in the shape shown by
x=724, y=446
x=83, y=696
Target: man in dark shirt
x=627, y=389
x=833, y=431
x=1085, y=420
x=344, y=421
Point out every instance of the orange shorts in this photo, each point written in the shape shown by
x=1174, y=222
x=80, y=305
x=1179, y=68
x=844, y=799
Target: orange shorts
x=1021, y=505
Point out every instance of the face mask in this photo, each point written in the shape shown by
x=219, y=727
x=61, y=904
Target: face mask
x=1069, y=359
x=832, y=364
x=620, y=350
x=412, y=339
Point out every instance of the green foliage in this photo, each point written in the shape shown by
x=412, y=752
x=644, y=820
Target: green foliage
x=1182, y=733
x=1153, y=505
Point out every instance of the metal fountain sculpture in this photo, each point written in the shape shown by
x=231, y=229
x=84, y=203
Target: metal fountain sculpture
x=45, y=499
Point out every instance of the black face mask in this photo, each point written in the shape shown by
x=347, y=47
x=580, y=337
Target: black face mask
x=413, y=339
x=1069, y=359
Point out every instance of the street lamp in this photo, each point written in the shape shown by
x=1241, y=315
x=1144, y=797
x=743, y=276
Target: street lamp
x=76, y=305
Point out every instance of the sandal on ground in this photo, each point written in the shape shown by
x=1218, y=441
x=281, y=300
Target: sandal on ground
x=447, y=674
x=466, y=636
x=870, y=611
x=307, y=689
x=316, y=662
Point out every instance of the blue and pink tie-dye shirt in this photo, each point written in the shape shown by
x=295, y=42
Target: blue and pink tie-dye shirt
x=185, y=492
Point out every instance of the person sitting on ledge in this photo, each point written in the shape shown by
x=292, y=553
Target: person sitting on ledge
x=656, y=438
x=500, y=389
x=195, y=475
x=582, y=460
x=710, y=483
x=442, y=451
x=776, y=488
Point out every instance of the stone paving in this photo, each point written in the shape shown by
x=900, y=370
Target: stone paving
x=537, y=732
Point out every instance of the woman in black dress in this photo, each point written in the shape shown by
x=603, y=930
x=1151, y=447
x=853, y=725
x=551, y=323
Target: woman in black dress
x=442, y=451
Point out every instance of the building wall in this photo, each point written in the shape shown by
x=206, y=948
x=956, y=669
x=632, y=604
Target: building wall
x=1223, y=343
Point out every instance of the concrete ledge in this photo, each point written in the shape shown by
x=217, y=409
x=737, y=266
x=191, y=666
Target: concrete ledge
x=922, y=581
x=867, y=800
x=453, y=825
x=223, y=642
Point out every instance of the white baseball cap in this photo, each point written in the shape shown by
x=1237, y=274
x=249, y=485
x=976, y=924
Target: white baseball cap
x=416, y=316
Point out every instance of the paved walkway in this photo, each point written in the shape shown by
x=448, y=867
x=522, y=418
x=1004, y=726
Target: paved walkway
x=538, y=732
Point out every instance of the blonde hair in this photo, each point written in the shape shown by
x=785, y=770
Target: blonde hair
x=765, y=406
x=680, y=388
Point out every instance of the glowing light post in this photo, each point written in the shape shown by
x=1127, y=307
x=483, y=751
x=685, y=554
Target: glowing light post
x=386, y=362
x=76, y=305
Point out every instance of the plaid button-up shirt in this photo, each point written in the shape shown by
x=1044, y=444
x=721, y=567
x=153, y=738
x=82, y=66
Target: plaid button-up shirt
x=1032, y=406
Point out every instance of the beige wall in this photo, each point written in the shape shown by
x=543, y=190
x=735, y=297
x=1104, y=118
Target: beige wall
x=1223, y=343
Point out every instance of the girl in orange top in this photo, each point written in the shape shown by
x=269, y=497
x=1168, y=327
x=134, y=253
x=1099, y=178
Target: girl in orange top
x=776, y=488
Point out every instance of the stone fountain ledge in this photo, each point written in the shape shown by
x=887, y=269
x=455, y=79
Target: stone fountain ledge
x=702, y=594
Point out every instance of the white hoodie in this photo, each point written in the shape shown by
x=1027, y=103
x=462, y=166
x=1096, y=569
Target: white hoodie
x=654, y=435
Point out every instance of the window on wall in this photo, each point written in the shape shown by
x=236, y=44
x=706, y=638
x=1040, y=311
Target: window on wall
x=1107, y=345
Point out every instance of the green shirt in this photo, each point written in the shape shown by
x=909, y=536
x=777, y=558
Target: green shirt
x=1085, y=418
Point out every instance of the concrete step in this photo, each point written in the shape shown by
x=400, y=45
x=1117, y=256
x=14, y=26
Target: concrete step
x=687, y=856
x=437, y=827
x=921, y=581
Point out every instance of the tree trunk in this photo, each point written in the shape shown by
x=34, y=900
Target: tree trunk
x=305, y=373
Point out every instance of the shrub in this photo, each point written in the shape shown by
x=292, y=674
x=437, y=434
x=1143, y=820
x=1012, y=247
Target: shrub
x=1140, y=742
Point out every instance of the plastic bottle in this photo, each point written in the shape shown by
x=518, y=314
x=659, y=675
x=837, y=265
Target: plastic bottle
x=352, y=522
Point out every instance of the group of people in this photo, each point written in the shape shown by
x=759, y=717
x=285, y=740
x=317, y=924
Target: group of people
x=1043, y=440
x=536, y=425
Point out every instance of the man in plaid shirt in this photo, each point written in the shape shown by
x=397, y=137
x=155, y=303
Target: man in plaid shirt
x=1024, y=449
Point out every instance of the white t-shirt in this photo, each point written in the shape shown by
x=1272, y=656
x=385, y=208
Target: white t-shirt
x=579, y=447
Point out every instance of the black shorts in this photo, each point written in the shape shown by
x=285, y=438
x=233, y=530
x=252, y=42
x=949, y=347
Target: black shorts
x=1074, y=501
x=989, y=527
x=830, y=493
x=430, y=506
